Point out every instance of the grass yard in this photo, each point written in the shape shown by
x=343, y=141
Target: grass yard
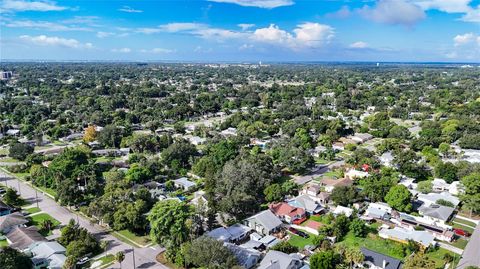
x=299, y=241
x=32, y=210
x=336, y=174
x=375, y=243
x=161, y=259
x=321, y=161
x=437, y=257
x=9, y=160
x=21, y=175
x=37, y=221
x=463, y=227
x=469, y=223
x=3, y=243
x=459, y=243
x=138, y=239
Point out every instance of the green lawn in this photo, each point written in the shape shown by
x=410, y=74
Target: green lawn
x=463, y=227
x=21, y=175
x=375, y=243
x=299, y=241
x=9, y=160
x=141, y=240
x=32, y=210
x=459, y=243
x=437, y=257
x=37, y=221
x=3, y=243
x=321, y=161
x=469, y=223
x=337, y=174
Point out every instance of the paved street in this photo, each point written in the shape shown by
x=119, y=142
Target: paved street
x=471, y=254
x=144, y=257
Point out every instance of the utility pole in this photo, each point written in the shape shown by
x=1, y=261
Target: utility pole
x=36, y=196
x=133, y=252
x=18, y=184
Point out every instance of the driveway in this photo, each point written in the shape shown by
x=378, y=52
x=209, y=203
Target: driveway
x=144, y=257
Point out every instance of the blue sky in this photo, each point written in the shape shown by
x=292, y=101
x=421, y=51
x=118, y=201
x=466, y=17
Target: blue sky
x=241, y=30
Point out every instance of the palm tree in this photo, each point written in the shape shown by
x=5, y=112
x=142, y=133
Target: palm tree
x=120, y=256
x=46, y=225
x=353, y=256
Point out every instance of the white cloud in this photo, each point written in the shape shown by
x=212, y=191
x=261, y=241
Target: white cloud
x=219, y=34
x=393, y=12
x=129, y=10
x=449, y=6
x=104, y=34
x=121, y=50
x=305, y=35
x=21, y=5
x=245, y=47
x=342, y=13
x=468, y=38
x=90, y=20
x=258, y=3
x=181, y=26
x=157, y=51
x=358, y=45
x=473, y=15
x=44, y=25
x=43, y=40
x=245, y=26
x=466, y=46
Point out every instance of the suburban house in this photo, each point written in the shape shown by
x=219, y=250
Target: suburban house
x=386, y=159
x=440, y=185
x=378, y=211
x=229, y=132
x=443, y=233
x=342, y=210
x=375, y=260
x=279, y=260
x=403, y=235
x=306, y=203
x=330, y=184
x=264, y=222
x=199, y=199
x=432, y=198
x=4, y=209
x=287, y=212
x=361, y=137
x=48, y=254
x=354, y=174
x=11, y=221
x=246, y=258
x=234, y=233
x=436, y=213
x=22, y=237
x=184, y=183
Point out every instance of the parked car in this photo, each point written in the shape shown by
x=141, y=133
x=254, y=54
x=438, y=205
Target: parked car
x=461, y=232
x=303, y=234
x=293, y=230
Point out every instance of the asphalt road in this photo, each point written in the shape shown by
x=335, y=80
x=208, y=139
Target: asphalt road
x=144, y=257
x=471, y=254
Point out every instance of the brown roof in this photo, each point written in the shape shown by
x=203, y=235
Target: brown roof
x=22, y=237
x=11, y=220
x=336, y=182
x=313, y=224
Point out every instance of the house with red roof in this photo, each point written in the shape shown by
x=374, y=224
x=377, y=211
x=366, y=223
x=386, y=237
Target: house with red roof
x=286, y=212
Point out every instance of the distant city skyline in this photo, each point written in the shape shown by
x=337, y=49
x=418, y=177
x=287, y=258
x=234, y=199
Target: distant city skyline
x=241, y=30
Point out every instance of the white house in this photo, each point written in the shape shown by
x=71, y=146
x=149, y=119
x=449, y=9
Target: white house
x=343, y=210
x=403, y=235
x=264, y=222
x=354, y=174
x=184, y=183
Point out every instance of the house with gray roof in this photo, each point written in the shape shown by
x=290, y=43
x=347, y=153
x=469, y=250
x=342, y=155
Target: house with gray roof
x=184, y=183
x=306, y=203
x=51, y=254
x=11, y=221
x=22, y=237
x=403, y=235
x=432, y=198
x=279, y=260
x=376, y=260
x=436, y=213
x=247, y=258
x=264, y=222
x=233, y=233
